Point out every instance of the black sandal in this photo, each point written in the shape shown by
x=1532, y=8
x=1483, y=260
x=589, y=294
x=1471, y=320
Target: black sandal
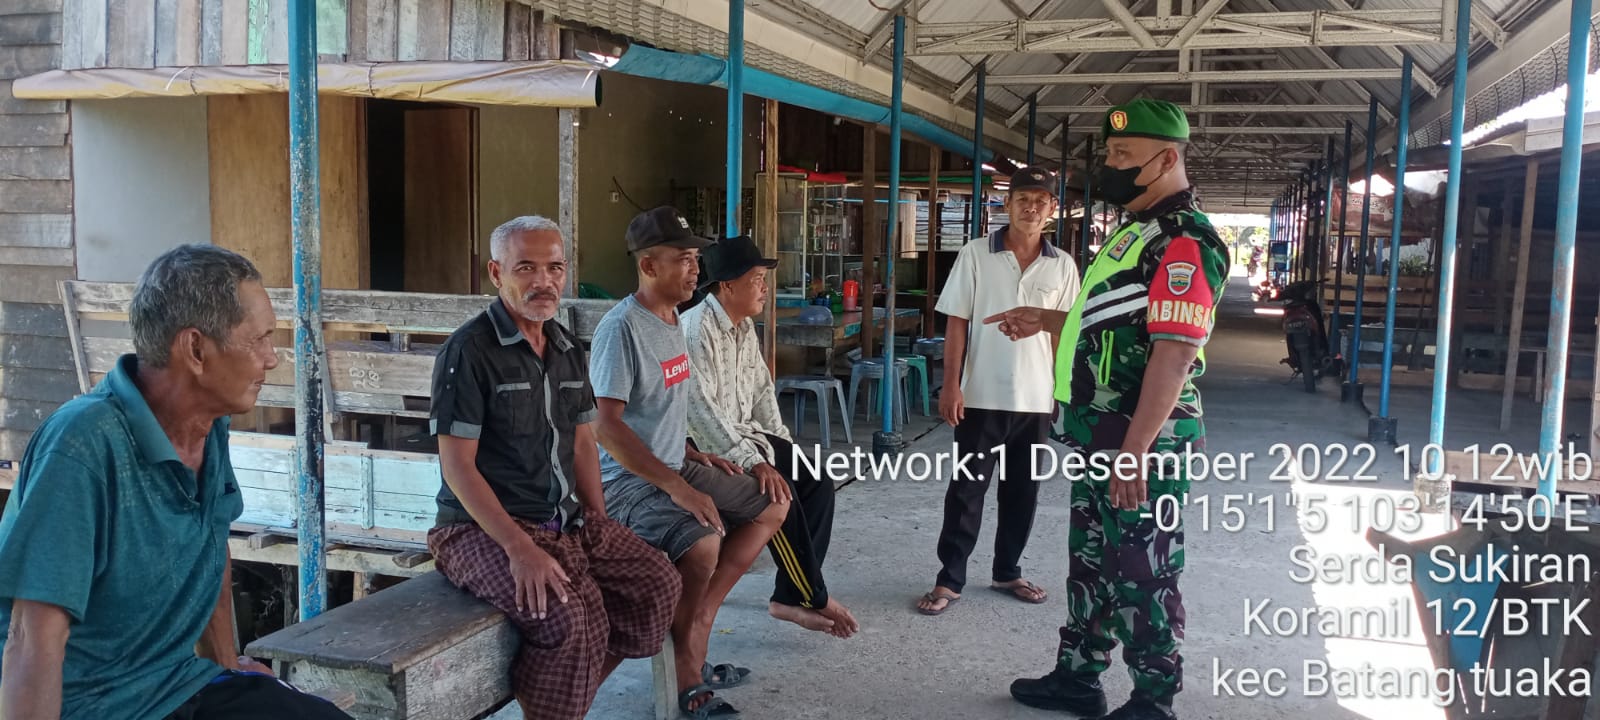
x=730, y=676
x=714, y=707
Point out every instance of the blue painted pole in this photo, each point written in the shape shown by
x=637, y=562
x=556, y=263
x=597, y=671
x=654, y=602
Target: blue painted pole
x=1342, y=243
x=306, y=224
x=888, y=439
x=1566, y=235
x=1033, y=123
x=735, y=177
x=977, y=153
x=1447, y=271
x=1384, y=428
x=1088, y=204
x=1354, y=385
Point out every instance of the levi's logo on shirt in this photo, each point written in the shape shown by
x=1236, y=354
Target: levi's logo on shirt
x=676, y=370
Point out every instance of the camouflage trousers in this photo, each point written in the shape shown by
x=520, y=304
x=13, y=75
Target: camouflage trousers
x=1122, y=582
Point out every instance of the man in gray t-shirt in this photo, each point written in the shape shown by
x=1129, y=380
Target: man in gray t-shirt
x=673, y=496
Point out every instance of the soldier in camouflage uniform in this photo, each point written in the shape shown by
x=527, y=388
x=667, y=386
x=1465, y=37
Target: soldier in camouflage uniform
x=1130, y=348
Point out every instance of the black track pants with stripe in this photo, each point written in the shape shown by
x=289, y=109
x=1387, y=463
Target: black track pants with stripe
x=802, y=543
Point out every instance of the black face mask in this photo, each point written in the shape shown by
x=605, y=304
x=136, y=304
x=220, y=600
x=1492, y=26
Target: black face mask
x=1119, y=186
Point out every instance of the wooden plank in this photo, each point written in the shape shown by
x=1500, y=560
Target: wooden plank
x=36, y=230
x=166, y=33
x=188, y=37
x=491, y=30
x=31, y=283
x=211, y=32
x=234, y=30
x=33, y=130
x=72, y=23
x=55, y=386
x=131, y=35
x=24, y=60
x=32, y=319
x=57, y=257
x=339, y=559
x=25, y=7
x=408, y=14
x=80, y=358
x=433, y=31
x=13, y=444
x=24, y=415
x=383, y=30
x=35, y=196
x=518, y=39
x=546, y=37
x=356, y=20
x=10, y=105
x=463, y=30
x=35, y=163
x=94, y=41
x=259, y=27
x=339, y=121
x=36, y=29
x=277, y=32
x=1520, y=293
x=396, y=630
x=438, y=197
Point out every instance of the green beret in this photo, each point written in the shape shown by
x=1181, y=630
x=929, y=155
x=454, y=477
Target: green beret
x=1157, y=119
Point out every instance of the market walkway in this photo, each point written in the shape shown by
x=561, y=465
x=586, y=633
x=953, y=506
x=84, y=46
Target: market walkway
x=904, y=665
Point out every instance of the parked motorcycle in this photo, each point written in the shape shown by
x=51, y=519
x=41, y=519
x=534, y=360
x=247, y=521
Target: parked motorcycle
x=1305, y=332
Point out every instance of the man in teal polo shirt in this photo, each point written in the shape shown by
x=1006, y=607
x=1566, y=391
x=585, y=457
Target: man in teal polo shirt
x=114, y=542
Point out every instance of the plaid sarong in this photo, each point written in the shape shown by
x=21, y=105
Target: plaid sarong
x=622, y=600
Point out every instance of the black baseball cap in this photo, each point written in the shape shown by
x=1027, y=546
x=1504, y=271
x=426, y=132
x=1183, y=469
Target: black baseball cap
x=731, y=258
x=662, y=226
x=1034, y=178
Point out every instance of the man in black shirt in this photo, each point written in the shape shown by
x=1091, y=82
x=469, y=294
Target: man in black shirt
x=522, y=518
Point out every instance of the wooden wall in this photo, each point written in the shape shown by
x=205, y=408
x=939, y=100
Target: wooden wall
x=176, y=33
x=247, y=139
x=35, y=228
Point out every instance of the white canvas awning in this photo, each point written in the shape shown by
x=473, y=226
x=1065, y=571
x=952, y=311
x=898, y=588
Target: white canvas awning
x=548, y=83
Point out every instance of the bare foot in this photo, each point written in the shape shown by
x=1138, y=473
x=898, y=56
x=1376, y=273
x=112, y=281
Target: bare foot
x=844, y=624
x=937, y=600
x=808, y=619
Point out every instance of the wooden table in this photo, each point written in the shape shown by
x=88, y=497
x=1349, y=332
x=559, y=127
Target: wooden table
x=842, y=334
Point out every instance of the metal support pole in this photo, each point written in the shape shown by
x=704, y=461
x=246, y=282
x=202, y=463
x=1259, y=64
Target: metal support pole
x=1033, y=123
x=1088, y=201
x=305, y=199
x=1555, y=396
x=1452, y=220
x=1061, y=196
x=1325, y=225
x=977, y=154
x=735, y=176
x=888, y=440
x=1343, y=243
x=1353, y=387
x=1384, y=428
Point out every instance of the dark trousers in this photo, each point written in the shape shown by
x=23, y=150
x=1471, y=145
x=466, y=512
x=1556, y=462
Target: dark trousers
x=979, y=432
x=802, y=543
x=237, y=695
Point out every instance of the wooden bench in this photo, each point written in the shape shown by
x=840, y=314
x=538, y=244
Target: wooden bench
x=421, y=650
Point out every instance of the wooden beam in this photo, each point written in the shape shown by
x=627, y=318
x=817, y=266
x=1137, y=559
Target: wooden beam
x=1519, y=299
x=769, y=229
x=869, y=234
x=567, y=184
x=1502, y=255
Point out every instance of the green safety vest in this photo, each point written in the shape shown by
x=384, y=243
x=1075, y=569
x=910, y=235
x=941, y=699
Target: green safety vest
x=1121, y=252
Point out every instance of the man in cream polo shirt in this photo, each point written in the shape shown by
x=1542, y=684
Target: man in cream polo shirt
x=996, y=391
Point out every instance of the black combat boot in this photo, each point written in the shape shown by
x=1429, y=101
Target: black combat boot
x=1143, y=709
x=1076, y=693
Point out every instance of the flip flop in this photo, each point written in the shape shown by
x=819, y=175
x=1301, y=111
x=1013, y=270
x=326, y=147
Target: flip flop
x=930, y=597
x=730, y=676
x=1024, y=585
x=714, y=707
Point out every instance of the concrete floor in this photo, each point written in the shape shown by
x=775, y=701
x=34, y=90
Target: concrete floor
x=905, y=665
